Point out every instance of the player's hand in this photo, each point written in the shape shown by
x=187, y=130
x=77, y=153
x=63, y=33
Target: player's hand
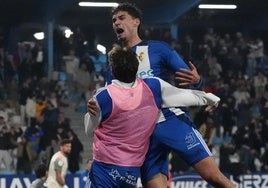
x=186, y=77
x=211, y=108
x=92, y=107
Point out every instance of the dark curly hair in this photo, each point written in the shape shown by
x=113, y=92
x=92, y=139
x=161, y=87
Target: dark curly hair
x=124, y=64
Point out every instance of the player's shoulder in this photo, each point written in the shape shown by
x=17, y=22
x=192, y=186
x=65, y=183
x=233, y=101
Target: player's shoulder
x=101, y=90
x=151, y=80
x=102, y=95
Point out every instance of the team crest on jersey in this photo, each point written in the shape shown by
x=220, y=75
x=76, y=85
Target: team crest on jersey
x=141, y=56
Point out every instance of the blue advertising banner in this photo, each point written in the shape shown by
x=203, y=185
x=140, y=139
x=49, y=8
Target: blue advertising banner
x=259, y=180
x=256, y=180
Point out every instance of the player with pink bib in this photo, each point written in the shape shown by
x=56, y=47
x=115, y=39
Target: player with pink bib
x=128, y=110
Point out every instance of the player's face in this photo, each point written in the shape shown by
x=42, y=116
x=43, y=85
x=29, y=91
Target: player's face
x=66, y=149
x=125, y=26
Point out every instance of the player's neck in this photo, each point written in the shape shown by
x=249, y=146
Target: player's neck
x=63, y=153
x=133, y=41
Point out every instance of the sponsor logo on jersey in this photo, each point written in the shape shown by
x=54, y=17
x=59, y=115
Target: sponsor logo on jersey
x=190, y=140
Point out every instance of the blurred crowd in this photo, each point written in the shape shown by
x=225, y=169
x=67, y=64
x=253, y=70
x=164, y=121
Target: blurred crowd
x=32, y=119
x=33, y=106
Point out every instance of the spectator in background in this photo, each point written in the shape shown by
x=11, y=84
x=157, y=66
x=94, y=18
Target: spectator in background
x=63, y=92
x=188, y=48
x=25, y=69
x=227, y=162
x=30, y=109
x=264, y=130
x=251, y=59
x=79, y=38
x=24, y=165
x=247, y=143
x=45, y=139
x=241, y=95
x=38, y=61
x=24, y=92
x=15, y=133
x=71, y=65
x=83, y=83
x=227, y=117
x=90, y=64
x=41, y=176
x=264, y=159
x=259, y=51
x=63, y=122
x=237, y=60
x=62, y=126
x=52, y=98
x=241, y=43
x=40, y=105
x=5, y=157
x=33, y=134
x=208, y=131
x=215, y=69
x=74, y=157
x=259, y=83
x=50, y=116
x=9, y=71
x=61, y=133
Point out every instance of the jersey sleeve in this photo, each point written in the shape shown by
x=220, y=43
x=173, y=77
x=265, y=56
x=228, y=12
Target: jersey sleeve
x=177, y=97
x=155, y=86
x=171, y=58
x=104, y=103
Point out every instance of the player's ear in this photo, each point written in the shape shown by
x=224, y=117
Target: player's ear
x=137, y=22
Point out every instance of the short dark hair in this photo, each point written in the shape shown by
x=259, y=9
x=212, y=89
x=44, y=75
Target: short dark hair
x=40, y=170
x=65, y=141
x=130, y=8
x=124, y=64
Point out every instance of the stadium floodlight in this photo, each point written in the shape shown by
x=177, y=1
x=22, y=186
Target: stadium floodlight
x=39, y=35
x=68, y=32
x=101, y=48
x=216, y=6
x=98, y=4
